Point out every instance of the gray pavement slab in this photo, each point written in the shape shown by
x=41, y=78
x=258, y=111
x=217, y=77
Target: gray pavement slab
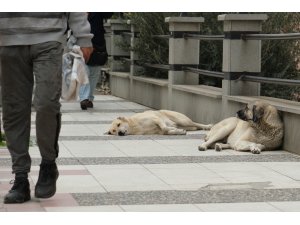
x=187, y=197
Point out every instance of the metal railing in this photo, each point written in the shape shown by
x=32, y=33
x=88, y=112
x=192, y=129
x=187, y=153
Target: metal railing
x=157, y=66
x=127, y=33
x=260, y=79
x=204, y=72
x=270, y=80
x=220, y=37
x=161, y=36
x=287, y=36
x=204, y=37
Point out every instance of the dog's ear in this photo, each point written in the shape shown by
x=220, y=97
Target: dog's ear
x=121, y=118
x=258, y=113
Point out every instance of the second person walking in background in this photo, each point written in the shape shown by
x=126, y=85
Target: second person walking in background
x=97, y=59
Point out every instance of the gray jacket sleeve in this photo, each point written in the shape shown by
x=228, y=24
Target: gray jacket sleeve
x=81, y=28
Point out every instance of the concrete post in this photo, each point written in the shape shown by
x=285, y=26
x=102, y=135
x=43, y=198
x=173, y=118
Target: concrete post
x=118, y=26
x=182, y=52
x=240, y=56
x=134, y=68
x=133, y=55
x=107, y=37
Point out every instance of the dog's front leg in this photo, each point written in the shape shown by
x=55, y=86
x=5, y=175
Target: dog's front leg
x=256, y=148
x=212, y=138
x=175, y=131
x=218, y=133
x=249, y=146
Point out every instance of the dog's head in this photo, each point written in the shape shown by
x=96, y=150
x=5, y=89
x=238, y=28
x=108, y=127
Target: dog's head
x=255, y=111
x=119, y=127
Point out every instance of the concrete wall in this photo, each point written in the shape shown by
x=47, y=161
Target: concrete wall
x=149, y=94
x=119, y=84
x=199, y=102
x=291, y=130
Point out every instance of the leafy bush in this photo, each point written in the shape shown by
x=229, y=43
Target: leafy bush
x=280, y=58
x=2, y=139
x=152, y=50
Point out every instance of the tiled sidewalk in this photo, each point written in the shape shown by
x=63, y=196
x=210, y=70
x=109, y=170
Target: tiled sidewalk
x=154, y=173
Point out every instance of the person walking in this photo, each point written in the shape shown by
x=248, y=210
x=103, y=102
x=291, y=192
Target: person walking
x=98, y=58
x=31, y=47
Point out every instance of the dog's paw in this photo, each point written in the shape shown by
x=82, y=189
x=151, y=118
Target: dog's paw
x=255, y=150
x=202, y=148
x=183, y=132
x=177, y=132
x=218, y=147
x=209, y=126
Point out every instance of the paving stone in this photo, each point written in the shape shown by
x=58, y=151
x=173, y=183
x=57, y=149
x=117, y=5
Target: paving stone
x=187, y=197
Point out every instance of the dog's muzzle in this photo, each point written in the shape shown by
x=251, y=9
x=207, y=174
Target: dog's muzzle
x=240, y=114
x=120, y=133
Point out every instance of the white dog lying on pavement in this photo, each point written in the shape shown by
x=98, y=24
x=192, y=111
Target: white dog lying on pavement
x=155, y=122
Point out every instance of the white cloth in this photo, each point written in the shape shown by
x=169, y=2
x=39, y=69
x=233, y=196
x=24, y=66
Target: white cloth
x=74, y=74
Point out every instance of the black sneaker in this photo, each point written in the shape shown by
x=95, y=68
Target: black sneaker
x=46, y=184
x=19, y=193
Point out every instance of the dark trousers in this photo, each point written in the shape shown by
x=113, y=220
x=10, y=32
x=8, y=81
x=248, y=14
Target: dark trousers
x=20, y=67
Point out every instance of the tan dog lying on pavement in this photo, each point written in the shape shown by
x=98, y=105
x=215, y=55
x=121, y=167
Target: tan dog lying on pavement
x=258, y=127
x=154, y=122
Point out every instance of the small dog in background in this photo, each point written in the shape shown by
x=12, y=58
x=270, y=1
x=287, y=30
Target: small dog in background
x=164, y=122
x=103, y=88
x=257, y=127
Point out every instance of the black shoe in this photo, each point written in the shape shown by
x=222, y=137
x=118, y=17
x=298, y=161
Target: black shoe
x=83, y=104
x=19, y=193
x=89, y=104
x=46, y=184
